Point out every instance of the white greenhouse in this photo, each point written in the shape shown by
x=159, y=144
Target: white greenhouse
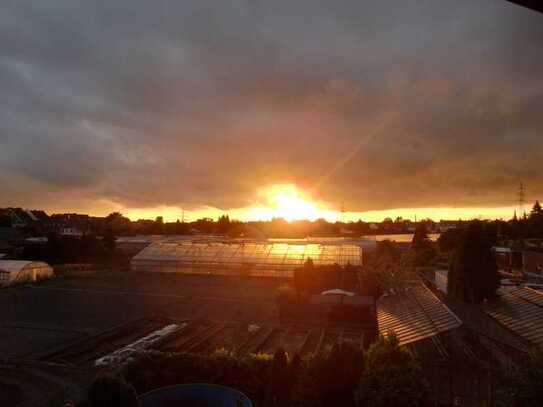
x=271, y=258
x=23, y=271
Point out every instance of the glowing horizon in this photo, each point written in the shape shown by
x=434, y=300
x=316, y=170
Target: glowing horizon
x=291, y=203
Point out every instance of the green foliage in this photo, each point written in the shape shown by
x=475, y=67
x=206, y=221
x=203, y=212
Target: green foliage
x=422, y=248
x=223, y=224
x=535, y=221
x=111, y=391
x=109, y=240
x=473, y=273
x=387, y=250
x=449, y=240
x=118, y=223
x=391, y=378
x=522, y=386
x=70, y=249
x=344, y=377
x=278, y=380
x=311, y=279
x=330, y=379
x=249, y=374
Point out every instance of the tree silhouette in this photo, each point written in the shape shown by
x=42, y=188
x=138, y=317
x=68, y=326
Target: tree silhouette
x=421, y=246
x=523, y=385
x=109, y=240
x=473, y=273
x=278, y=391
x=223, y=224
x=110, y=391
x=535, y=221
x=392, y=377
x=536, y=210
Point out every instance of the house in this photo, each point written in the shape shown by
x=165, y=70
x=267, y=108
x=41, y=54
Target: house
x=26, y=218
x=527, y=261
x=71, y=231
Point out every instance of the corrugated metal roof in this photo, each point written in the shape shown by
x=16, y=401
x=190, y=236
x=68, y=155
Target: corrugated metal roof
x=414, y=315
x=521, y=311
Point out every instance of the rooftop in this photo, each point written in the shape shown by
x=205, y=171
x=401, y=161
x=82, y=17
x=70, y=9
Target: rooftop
x=520, y=311
x=415, y=314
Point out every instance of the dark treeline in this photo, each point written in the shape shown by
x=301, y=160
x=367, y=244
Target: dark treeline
x=223, y=225
x=69, y=249
x=526, y=226
x=529, y=226
x=276, y=227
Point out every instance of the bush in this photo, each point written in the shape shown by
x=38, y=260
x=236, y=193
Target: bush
x=392, y=377
x=330, y=379
x=155, y=369
x=111, y=391
x=343, y=377
x=522, y=386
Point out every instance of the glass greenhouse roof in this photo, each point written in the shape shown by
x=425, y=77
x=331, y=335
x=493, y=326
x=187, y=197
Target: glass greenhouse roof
x=414, y=315
x=520, y=311
x=250, y=256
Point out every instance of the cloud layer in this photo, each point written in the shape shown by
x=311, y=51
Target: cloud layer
x=377, y=104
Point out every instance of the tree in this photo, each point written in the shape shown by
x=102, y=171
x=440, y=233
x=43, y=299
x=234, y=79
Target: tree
x=473, y=272
x=54, y=246
x=536, y=210
x=523, y=385
x=392, y=377
x=109, y=241
x=330, y=379
x=421, y=246
x=535, y=221
x=223, y=224
x=349, y=277
x=118, y=223
x=449, y=239
x=387, y=251
x=278, y=391
x=111, y=391
x=302, y=277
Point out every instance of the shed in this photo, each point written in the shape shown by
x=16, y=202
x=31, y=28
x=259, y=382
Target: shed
x=23, y=271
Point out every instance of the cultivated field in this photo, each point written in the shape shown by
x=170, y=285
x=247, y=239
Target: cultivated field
x=42, y=319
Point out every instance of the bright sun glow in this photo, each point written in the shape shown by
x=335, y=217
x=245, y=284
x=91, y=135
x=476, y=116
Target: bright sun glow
x=289, y=203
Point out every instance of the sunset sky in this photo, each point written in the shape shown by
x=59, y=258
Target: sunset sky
x=271, y=108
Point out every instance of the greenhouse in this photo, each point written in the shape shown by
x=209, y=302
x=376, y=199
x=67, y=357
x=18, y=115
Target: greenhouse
x=22, y=271
x=275, y=258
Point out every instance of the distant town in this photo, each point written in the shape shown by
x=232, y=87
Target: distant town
x=35, y=222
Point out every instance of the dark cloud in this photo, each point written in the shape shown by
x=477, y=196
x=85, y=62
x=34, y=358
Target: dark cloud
x=378, y=104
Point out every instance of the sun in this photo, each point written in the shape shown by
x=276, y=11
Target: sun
x=289, y=203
